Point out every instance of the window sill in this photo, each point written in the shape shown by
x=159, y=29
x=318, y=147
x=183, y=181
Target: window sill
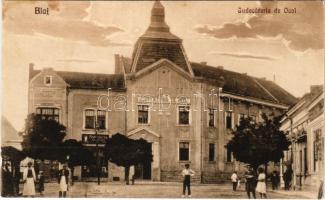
x=183, y=125
x=183, y=161
x=212, y=127
x=99, y=130
x=144, y=124
x=212, y=162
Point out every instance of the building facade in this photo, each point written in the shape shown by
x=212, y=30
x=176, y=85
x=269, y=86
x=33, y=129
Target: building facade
x=185, y=110
x=303, y=124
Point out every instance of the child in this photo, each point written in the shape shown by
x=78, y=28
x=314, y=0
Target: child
x=41, y=182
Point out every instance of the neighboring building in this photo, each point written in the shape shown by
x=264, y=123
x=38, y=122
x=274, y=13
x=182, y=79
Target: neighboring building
x=303, y=124
x=9, y=135
x=185, y=110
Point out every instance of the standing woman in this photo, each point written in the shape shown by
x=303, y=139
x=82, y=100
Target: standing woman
x=29, y=178
x=63, y=180
x=261, y=185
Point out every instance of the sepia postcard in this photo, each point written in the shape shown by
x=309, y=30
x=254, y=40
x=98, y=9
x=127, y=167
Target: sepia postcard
x=162, y=99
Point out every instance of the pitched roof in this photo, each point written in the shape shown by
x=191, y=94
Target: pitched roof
x=244, y=85
x=81, y=80
x=152, y=50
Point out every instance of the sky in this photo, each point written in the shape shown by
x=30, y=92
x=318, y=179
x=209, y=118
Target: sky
x=84, y=36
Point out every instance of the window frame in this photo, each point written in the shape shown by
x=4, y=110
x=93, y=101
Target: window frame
x=231, y=156
x=214, y=152
x=231, y=121
x=148, y=117
x=179, y=149
x=189, y=115
x=214, y=117
x=45, y=79
x=95, y=110
x=53, y=115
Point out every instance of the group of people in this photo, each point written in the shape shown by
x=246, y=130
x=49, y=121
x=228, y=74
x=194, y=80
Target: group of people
x=255, y=182
x=30, y=179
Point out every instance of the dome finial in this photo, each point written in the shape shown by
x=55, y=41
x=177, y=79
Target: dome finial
x=158, y=18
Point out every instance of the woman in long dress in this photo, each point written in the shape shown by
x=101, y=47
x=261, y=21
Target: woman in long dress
x=261, y=185
x=29, y=178
x=63, y=180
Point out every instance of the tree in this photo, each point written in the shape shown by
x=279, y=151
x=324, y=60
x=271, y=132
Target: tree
x=43, y=138
x=77, y=154
x=126, y=152
x=258, y=143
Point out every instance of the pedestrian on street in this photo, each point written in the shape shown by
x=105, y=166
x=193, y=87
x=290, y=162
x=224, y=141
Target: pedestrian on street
x=234, y=180
x=7, y=181
x=275, y=179
x=63, y=180
x=41, y=182
x=287, y=177
x=250, y=179
x=261, y=185
x=29, y=178
x=187, y=173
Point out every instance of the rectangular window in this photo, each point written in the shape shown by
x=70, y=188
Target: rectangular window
x=184, y=115
x=101, y=119
x=211, y=117
x=211, y=152
x=228, y=120
x=48, y=113
x=229, y=156
x=184, y=151
x=48, y=80
x=89, y=119
x=241, y=116
x=143, y=114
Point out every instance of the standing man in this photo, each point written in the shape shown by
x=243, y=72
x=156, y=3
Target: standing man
x=187, y=173
x=63, y=180
x=250, y=177
x=7, y=181
x=234, y=180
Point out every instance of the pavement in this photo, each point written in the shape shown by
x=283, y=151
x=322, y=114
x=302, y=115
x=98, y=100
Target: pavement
x=148, y=189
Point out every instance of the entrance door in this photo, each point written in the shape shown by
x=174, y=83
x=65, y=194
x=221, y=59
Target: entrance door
x=143, y=170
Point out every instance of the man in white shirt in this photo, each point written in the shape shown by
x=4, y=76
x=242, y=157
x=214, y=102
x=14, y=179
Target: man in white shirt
x=234, y=180
x=187, y=173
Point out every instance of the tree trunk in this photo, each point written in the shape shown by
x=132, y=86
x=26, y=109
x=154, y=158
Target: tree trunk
x=127, y=172
x=265, y=169
x=72, y=174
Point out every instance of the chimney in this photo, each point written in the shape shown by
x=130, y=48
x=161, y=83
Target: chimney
x=118, y=64
x=203, y=63
x=315, y=89
x=30, y=70
x=220, y=67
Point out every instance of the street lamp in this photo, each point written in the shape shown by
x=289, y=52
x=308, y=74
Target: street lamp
x=97, y=153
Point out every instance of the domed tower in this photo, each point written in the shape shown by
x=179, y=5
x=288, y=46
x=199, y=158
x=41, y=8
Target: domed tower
x=159, y=43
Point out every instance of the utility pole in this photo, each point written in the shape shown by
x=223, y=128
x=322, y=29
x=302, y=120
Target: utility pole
x=97, y=154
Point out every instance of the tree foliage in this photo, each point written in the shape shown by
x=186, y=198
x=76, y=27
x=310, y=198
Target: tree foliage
x=43, y=138
x=78, y=154
x=126, y=152
x=258, y=143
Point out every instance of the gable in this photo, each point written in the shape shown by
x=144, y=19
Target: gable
x=47, y=78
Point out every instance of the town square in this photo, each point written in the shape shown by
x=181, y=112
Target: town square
x=162, y=99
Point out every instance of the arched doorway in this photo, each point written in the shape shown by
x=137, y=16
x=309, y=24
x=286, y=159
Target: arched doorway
x=150, y=170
